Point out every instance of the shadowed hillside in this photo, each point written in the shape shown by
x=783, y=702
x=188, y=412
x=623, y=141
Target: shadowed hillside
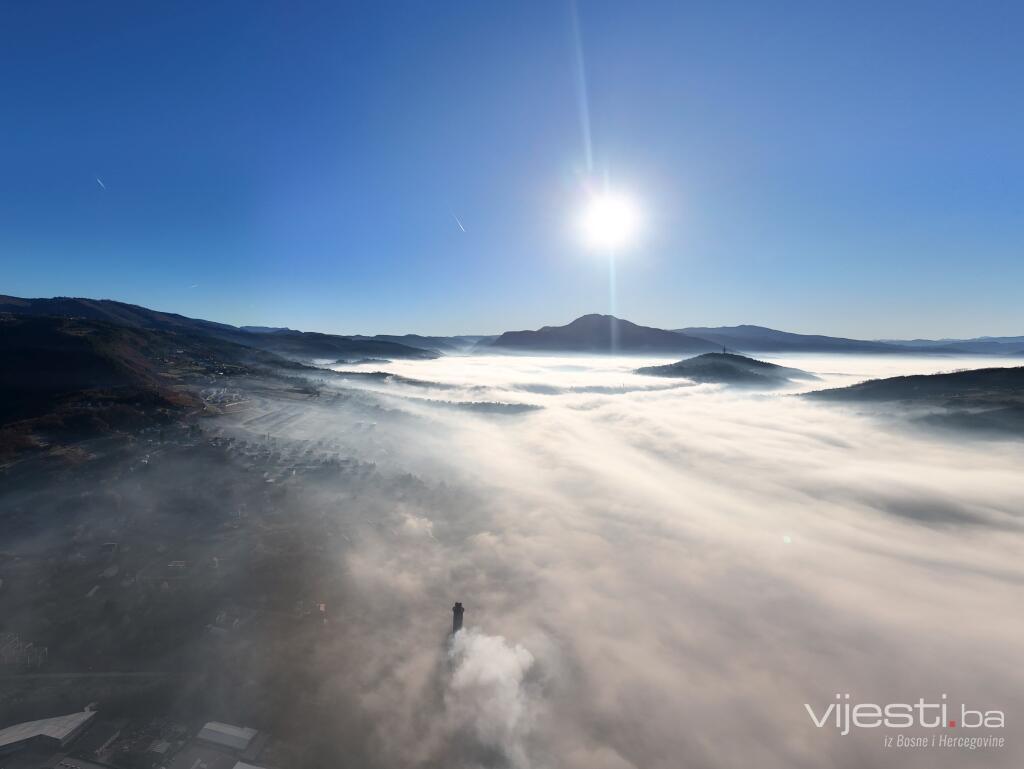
x=974, y=387
x=990, y=398
x=64, y=379
x=298, y=345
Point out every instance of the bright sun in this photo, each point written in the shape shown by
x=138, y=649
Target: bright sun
x=610, y=221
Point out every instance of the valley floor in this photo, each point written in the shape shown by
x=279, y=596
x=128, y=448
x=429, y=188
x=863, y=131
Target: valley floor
x=651, y=570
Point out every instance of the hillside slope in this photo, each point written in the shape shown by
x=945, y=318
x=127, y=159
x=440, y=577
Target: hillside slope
x=298, y=345
x=990, y=399
x=727, y=368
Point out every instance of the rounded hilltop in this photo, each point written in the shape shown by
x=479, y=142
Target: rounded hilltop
x=728, y=368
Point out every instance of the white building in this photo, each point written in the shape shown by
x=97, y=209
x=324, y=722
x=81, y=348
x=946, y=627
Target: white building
x=227, y=736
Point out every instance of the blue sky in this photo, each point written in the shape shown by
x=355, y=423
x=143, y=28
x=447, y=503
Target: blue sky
x=853, y=169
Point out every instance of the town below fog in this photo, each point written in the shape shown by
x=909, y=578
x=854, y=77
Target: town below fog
x=651, y=567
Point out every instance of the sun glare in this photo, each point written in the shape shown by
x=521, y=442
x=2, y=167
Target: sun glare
x=610, y=221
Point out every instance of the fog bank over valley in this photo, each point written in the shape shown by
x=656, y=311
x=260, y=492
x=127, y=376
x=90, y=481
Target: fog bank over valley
x=686, y=566
x=656, y=573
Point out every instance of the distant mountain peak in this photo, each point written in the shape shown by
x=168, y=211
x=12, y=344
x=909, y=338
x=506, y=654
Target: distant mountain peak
x=597, y=333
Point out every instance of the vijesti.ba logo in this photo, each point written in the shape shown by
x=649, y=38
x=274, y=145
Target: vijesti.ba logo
x=846, y=715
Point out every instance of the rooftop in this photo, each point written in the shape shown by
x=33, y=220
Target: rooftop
x=60, y=728
x=236, y=737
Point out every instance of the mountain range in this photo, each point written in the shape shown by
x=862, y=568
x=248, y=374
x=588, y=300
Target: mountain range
x=760, y=339
x=72, y=367
x=982, y=345
x=439, y=344
x=605, y=333
x=600, y=334
x=592, y=333
x=297, y=345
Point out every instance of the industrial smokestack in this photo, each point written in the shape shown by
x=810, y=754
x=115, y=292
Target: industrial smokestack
x=457, y=611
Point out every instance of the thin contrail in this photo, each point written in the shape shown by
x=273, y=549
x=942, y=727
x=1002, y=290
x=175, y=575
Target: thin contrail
x=99, y=181
x=458, y=222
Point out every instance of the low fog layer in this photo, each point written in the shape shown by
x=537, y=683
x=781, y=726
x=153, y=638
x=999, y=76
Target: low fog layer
x=656, y=574
x=659, y=574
